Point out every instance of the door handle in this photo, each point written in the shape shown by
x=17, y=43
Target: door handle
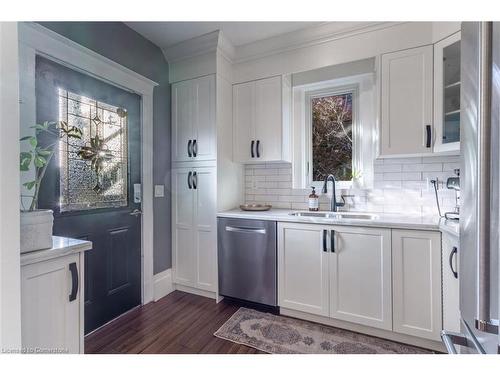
x=332, y=241
x=245, y=230
x=452, y=254
x=325, y=232
x=195, y=180
x=195, y=148
x=136, y=213
x=251, y=149
x=257, y=148
x=74, y=281
x=189, y=149
x=428, y=131
x=189, y=179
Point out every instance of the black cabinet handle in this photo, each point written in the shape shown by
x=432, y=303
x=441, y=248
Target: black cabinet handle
x=452, y=254
x=257, y=148
x=189, y=179
x=251, y=149
x=324, y=240
x=189, y=148
x=428, y=136
x=195, y=148
x=195, y=180
x=332, y=241
x=74, y=281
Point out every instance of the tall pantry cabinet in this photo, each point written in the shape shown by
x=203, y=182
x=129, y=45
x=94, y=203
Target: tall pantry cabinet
x=201, y=159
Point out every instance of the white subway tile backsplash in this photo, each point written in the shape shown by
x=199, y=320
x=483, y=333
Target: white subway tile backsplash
x=389, y=168
x=400, y=185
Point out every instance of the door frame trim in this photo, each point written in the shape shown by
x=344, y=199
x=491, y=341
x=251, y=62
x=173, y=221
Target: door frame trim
x=35, y=39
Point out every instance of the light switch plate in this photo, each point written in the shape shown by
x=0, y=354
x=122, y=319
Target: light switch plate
x=159, y=191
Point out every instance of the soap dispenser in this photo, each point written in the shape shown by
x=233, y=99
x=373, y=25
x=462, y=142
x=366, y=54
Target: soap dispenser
x=313, y=200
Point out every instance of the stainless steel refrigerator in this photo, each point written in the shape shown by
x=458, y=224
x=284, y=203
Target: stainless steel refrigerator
x=480, y=190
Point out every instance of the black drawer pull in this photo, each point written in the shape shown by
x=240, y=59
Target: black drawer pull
x=74, y=281
x=428, y=136
x=332, y=241
x=452, y=254
x=195, y=180
x=195, y=148
x=189, y=179
x=251, y=149
x=324, y=240
x=257, y=148
x=189, y=148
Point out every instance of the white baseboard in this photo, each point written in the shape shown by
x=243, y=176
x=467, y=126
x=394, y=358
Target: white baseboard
x=163, y=284
x=191, y=290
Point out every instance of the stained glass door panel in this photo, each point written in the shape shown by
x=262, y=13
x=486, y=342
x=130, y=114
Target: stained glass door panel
x=94, y=167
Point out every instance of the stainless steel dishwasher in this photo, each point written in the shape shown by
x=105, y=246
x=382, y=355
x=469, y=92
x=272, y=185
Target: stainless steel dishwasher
x=247, y=260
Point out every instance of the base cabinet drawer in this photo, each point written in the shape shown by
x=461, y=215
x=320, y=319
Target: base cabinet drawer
x=416, y=275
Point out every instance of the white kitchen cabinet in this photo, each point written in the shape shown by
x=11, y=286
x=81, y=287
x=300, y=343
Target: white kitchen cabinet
x=194, y=135
x=303, y=268
x=447, y=84
x=194, y=227
x=406, y=102
x=416, y=273
x=451, y=295
x=262, y=120
x=336, y=271
x=52, y=305
x=360, y=276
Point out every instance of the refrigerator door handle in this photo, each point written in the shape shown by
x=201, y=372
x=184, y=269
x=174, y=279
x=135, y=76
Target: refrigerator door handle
x=483, y=321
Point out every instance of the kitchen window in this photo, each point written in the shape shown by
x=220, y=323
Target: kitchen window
x=331, y=123
x=334, y=132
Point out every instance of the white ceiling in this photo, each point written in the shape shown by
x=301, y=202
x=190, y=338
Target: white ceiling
x=167, y=34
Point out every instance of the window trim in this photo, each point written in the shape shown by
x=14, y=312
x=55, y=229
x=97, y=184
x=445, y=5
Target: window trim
x=331, y=91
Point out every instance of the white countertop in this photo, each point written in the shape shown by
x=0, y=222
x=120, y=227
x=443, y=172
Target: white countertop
x=61, y=246
x=450, y=226
x=399, y=221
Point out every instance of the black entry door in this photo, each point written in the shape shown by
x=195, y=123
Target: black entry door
x=96, y=204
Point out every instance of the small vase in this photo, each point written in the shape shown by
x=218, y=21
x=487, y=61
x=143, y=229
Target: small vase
x=36, y=230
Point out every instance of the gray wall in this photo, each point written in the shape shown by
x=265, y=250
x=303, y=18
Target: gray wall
x=123, y=45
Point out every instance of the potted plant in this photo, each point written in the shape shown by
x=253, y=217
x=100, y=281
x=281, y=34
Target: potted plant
x=36, y=224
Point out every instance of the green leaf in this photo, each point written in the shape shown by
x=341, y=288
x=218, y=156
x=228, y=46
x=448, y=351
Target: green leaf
x=25, y=160
x=33, y=142
x=43, y=152
x=40, y=161
x=29, y=185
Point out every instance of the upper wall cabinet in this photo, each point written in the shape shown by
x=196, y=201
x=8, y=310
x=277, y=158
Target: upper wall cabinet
x=193, y=120
x=406, y=102
x=262, y=120
x=447, y=94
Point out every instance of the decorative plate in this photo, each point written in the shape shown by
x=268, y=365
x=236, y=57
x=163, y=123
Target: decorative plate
x=255, y=207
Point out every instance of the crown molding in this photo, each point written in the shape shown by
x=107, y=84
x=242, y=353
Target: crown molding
x=322, y=33
x=217, y=41
x=200, y=45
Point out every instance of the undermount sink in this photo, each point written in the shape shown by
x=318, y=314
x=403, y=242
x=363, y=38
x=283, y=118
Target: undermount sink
x=335, y=215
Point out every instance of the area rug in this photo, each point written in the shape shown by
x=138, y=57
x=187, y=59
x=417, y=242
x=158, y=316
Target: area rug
x=281, y=335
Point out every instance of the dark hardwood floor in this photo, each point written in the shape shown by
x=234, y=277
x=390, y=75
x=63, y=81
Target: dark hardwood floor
x=179, y=323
